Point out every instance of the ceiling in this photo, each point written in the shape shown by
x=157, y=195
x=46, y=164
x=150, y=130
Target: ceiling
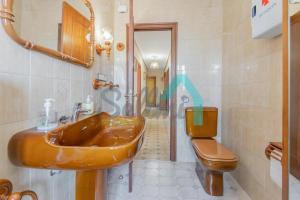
x=155, y=47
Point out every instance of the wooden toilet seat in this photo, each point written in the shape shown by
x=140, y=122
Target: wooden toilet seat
x=214, y=155
x=211, y=150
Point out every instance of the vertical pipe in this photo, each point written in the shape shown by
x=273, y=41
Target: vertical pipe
x=130, y=64
x=130, y=188
x=130, y=78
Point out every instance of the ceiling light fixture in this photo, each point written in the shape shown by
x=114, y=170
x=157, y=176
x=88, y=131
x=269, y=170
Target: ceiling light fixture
x=154, y=65
x=154, y=57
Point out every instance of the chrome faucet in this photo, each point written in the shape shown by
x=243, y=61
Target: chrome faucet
x=77, y=110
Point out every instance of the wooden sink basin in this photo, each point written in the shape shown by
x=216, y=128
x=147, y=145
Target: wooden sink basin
x=89, y=146
x=97, y=142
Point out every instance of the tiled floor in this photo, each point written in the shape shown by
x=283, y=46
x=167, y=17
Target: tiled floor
x=164, y=180
x=155, y=178
x=157, y=138
x=155, y=113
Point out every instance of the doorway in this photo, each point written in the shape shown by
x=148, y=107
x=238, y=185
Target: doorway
x=157, y=107
x=152, y=49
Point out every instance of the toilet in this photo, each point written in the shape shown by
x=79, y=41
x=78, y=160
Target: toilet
x=213, y=159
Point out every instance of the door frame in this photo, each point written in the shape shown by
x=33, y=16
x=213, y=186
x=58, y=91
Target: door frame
x=173, y=27
x=285, y=103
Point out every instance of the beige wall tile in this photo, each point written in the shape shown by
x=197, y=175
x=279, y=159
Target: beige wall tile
x=251, y=98
x=26, y=78
x=14, y=100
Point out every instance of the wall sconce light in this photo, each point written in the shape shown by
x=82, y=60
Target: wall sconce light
x=107, y=44
x=106, y=47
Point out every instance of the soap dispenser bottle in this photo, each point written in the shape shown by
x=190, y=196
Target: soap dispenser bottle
x=49, y=118
x=88, y=106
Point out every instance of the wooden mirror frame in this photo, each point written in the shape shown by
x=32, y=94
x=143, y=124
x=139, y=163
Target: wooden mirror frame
x=7, y=16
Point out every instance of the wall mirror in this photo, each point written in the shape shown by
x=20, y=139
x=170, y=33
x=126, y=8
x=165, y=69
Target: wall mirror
x=63, y=29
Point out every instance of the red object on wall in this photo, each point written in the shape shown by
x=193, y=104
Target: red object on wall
x=265, y=2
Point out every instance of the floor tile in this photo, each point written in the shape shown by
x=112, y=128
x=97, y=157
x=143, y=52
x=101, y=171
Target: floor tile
x=157, y=138
x=165, y=180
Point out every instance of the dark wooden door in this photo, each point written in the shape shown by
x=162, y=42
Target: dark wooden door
x=164, y=99
x=139, y=89
x=151, y=91
x=295, y=97
x=166, y=85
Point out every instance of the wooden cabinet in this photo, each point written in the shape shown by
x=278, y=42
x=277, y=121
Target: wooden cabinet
x=164, y=103
x=295, y=97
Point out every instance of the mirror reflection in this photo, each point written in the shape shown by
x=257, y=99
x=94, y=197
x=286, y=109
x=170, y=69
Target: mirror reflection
x=61, y=25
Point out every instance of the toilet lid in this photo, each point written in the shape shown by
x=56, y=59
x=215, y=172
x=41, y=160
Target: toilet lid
x=210, y=149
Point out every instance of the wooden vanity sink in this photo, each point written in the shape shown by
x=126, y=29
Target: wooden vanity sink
x=89, y=146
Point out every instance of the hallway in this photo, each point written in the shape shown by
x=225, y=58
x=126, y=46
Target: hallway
x=157, y=138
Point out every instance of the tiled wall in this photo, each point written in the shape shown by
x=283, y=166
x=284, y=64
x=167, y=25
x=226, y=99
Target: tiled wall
x=199, y=49
x=251, y=99
x=26, y=78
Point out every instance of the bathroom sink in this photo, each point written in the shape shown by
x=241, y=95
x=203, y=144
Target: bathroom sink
x=94, y=143
x=89, y=146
